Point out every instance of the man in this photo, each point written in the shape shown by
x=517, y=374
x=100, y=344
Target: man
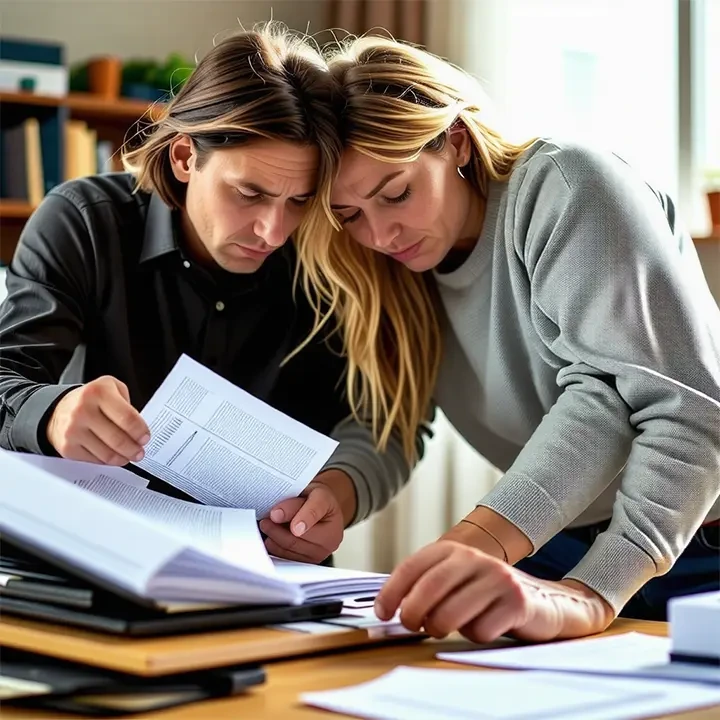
x=116, y=276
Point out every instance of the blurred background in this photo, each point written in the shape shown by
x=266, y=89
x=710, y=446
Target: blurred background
x=641, y=77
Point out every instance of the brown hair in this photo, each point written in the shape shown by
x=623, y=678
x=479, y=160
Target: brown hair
x=397, y=101
x=263, y=83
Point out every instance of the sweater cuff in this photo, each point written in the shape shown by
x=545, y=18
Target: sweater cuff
x=28, y=431
x=526, y=505
x=614, y=568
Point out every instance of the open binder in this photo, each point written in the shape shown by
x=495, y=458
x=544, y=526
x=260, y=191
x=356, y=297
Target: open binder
x=146, y=565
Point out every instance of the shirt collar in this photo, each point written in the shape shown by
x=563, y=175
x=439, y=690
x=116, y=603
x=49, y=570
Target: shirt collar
x=159, y=238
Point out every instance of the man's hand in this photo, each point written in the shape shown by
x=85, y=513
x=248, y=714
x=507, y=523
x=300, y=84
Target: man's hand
x=309, y=528
x=96, y=423
x=448, y=586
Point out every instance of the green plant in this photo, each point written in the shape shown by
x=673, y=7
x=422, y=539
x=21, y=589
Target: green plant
x=78, y=79
x=139, y=71
x=173, y=73
x=712, y=179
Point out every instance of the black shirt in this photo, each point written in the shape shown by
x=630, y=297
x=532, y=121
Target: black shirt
x=100, y=285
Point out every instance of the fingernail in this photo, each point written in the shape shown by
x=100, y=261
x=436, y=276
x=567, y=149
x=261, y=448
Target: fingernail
x=277, y=515
x=300, y=528
x=145, y=439
x=380, y=610
x=139, y=456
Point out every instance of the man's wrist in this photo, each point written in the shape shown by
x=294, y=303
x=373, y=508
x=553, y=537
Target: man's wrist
x=342, y=487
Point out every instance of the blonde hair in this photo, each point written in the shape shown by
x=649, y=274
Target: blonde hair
x=397, y=101
x=265, y=83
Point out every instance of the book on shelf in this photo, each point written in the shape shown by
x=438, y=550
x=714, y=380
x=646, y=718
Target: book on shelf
x=22, y=168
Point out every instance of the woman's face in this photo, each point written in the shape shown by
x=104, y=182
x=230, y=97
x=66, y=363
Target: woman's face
x=414, y=212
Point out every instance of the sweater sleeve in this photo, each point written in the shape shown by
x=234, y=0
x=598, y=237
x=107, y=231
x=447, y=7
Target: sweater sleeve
x=622, y=300
x=377, y=476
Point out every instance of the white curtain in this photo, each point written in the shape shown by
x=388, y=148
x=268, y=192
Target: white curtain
x=445, y=486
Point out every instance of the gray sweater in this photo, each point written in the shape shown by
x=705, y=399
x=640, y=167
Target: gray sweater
x=583, y=359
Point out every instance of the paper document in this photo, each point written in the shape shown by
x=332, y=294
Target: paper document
x=227, y=532
x=328, y=583
x=76, y=471
x=225, y=447
x=81, y=528
x=615, y=654
x=428, y=694
x=135, y=552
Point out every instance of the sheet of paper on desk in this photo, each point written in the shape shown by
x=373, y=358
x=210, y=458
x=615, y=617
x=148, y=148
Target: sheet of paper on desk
x=428, y=694
x=225, y=447
x=616, y=654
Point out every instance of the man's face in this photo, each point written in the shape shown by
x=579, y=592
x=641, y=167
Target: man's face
x=246, y=201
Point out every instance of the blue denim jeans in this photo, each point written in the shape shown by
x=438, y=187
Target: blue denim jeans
x=696, y=570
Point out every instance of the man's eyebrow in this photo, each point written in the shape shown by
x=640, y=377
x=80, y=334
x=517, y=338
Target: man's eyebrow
x=261, y=191
x=374, y=191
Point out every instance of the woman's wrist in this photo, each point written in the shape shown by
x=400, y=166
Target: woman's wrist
x=488, y=531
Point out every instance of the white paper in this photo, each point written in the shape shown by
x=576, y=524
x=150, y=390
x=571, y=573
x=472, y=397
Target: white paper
x=429, y=694
x=328, y=583
x=85, y=530
x=225, y=447
x=76, y=471
x=695, y=624
x=615, y=653
x=230, y=533
x=310, y=627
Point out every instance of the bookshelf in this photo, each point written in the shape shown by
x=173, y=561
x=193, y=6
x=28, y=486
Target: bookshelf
x=109, y=120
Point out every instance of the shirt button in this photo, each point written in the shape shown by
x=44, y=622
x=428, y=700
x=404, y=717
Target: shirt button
x=219, y=305
x=186, y=264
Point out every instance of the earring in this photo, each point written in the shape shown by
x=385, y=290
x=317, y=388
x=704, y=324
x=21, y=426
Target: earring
x=460, y=173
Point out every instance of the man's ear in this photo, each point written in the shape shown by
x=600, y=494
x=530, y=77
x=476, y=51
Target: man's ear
x=182, y=157
x=460, y=144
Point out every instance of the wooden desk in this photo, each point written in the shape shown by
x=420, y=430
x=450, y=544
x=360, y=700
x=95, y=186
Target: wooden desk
x=278, y=698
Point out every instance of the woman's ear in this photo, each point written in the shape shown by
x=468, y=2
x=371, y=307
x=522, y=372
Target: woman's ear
x=182, y=157
x=460, y=144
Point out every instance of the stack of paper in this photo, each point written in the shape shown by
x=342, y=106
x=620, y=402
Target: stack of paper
x=222, y=446
x=425, y=694
x=151, y=546
x=695, y=627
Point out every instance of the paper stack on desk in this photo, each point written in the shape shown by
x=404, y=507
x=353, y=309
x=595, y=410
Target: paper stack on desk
x=695, y=628
x=218, y=444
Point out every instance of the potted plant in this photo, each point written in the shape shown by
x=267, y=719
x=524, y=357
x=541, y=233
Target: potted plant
x=137, y=79
x=152, y=80
x=173, y=73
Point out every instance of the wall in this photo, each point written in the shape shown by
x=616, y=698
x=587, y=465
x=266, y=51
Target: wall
x=147, y=28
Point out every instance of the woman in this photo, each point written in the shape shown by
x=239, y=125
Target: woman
x=545, y=297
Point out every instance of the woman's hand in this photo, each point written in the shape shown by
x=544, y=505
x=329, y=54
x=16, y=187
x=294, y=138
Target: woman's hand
x=309, y=528
x=448, y=586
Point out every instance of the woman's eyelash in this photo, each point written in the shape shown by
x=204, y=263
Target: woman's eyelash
x=400, y=198
x=352, y=218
